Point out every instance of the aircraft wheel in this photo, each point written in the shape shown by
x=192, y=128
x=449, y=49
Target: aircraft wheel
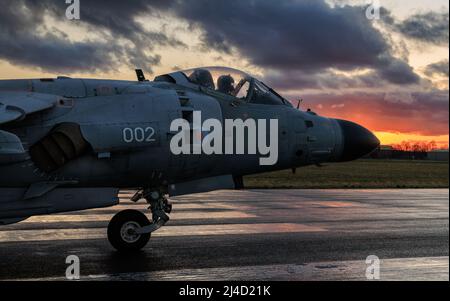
x=121, y=230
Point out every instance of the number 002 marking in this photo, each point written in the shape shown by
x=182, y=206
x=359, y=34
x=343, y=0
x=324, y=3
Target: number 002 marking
x=138, y=134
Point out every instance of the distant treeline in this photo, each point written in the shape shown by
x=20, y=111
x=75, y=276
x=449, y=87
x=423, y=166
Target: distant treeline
x=408, y=155
x=417, y=146
x=399, y=154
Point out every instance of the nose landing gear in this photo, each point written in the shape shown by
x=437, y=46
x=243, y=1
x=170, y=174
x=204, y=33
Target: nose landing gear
x=130, y=230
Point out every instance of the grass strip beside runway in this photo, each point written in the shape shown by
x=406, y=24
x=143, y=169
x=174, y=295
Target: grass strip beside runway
x=358, y=174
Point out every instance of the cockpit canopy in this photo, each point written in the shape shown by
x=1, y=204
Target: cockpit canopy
x=228, y=81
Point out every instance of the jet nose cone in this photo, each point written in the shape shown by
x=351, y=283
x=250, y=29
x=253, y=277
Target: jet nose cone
x=358, y=141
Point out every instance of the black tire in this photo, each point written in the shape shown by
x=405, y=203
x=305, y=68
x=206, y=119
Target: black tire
x=127, y=218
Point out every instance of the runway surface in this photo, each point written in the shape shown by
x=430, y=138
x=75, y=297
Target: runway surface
x=247, y=235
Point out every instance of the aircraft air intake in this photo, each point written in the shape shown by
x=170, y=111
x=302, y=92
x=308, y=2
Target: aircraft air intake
x=64, y=143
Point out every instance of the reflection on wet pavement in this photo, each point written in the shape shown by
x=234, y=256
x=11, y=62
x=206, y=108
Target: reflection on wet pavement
x=247, y=235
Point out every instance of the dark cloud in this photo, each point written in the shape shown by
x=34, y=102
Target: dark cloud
x=398, y=73
x=431, y=27
x=119, y=18
x=439, y=68
x=303, y=37
x=27, y=40
x=52, y=53
x=296, y=35
x=325, y=80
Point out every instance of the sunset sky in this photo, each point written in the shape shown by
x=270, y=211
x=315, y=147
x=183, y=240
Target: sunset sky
x=389, y=74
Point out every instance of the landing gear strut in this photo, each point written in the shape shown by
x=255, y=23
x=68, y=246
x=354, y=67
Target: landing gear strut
x=130, y=230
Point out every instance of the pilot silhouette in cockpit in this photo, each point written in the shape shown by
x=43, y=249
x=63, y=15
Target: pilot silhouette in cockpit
x=203, y=78
x=225, y=84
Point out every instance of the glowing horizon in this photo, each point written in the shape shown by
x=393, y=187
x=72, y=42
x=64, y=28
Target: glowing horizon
x=387, y=138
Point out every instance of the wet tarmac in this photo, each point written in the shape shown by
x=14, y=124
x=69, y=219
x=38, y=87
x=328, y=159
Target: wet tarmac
x=247, y=235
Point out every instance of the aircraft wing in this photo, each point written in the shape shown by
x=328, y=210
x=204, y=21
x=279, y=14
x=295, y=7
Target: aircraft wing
x=17, y=105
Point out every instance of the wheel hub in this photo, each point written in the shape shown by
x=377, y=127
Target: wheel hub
x=128, y=232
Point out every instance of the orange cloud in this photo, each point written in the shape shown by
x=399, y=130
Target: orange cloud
x=423, y=115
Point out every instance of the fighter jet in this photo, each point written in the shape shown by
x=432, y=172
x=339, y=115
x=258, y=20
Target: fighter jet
x=69, y=144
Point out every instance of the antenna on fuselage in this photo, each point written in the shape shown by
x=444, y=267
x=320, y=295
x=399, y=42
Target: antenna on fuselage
x=140, y=75
x=299, y=102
